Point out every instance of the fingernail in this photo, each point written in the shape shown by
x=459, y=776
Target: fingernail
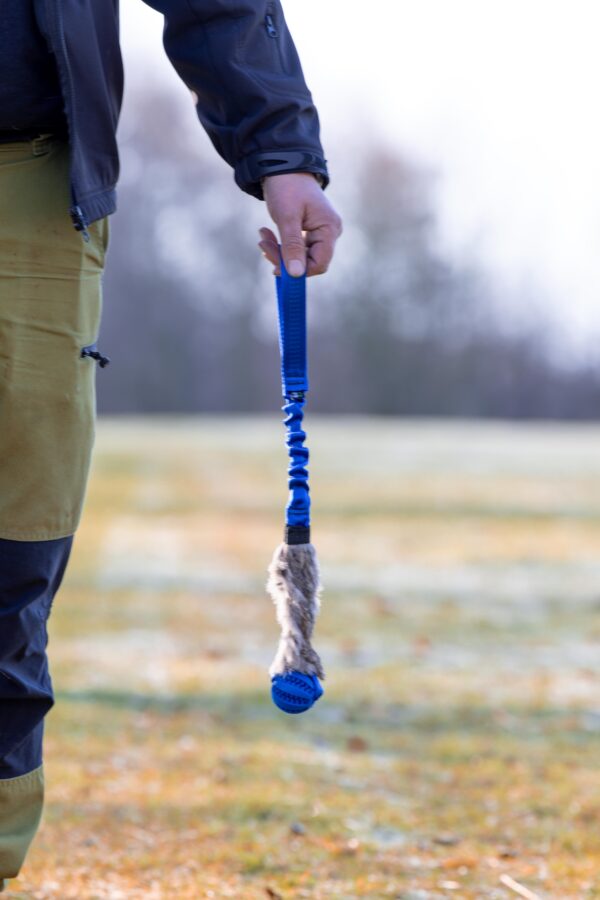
x=295, y=268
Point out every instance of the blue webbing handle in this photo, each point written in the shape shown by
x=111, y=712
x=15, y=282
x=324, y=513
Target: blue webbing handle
x=291, y=304
x=291, y=300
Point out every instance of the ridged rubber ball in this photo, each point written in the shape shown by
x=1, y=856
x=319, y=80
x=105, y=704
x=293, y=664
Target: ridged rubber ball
x=295, y=692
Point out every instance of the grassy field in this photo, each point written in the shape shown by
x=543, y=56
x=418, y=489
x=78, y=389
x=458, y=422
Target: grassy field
x=455, y=752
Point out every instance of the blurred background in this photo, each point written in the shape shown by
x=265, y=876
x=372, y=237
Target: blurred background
x=463, y=152
x=455, y=751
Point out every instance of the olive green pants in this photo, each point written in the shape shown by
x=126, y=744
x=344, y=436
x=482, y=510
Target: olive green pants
x=21, y=805
x=50, y=309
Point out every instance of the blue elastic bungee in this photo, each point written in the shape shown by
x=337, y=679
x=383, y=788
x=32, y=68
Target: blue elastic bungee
x=297, y=511
x=291, y=303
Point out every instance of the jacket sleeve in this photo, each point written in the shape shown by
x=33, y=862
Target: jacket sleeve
x=240, y=60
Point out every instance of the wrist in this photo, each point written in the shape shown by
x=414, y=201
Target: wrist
x=317, y=175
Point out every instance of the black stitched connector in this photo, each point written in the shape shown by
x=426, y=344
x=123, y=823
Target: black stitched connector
x=296, y=534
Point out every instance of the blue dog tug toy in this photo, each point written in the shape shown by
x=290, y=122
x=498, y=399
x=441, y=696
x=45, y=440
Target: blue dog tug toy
x=294, y=578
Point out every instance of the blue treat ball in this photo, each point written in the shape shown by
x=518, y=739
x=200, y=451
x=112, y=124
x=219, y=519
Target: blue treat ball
x=295, y=692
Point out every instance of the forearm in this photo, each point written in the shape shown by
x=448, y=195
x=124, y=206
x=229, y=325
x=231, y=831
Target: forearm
x=239, y=59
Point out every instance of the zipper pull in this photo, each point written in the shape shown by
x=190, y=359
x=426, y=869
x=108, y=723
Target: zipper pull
x=103, y=360
x=270, y=26
x=94, y=353
x=79, y=221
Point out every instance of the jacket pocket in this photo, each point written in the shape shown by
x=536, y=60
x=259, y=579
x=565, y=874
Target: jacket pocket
x=100, y=233
x=260, y=43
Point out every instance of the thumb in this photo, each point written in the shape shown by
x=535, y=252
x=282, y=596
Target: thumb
x=293, y=248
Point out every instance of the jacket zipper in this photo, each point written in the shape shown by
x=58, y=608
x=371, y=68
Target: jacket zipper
x=79, y=220
x=54, y=17
x=270, y=23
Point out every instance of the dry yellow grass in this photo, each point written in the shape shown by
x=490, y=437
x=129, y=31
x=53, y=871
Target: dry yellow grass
x=455, y=751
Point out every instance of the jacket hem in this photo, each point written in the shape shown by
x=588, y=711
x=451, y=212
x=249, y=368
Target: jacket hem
x=99, y=205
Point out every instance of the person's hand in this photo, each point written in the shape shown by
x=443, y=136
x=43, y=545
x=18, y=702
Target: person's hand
x=307, y=222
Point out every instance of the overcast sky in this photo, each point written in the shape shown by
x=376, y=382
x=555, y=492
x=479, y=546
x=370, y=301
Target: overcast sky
x=501, y=97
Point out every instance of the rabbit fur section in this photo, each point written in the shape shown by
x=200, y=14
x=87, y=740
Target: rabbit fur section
x=294, y=584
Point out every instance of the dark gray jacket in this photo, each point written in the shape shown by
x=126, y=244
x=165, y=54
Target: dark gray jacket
x=236, y=55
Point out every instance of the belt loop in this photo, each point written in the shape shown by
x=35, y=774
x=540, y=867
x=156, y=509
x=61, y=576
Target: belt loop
x=40, y=144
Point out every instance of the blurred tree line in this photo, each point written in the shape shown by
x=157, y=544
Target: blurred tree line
x=190, y=319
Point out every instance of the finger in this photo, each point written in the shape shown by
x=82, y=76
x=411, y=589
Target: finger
x=269, y=241
x=271, y=255
x=267, y=235
x=321, y=244
x=293, y=247
x=270, y=248
x=270, y=252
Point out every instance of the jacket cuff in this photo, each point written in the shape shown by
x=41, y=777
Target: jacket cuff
x=251, y=169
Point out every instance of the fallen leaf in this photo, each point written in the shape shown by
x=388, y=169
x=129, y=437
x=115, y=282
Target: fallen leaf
x=356, y=744
x=457, y=862
x=274, y=895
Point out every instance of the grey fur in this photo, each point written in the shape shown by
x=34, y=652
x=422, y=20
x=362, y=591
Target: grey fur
x=294, y=584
